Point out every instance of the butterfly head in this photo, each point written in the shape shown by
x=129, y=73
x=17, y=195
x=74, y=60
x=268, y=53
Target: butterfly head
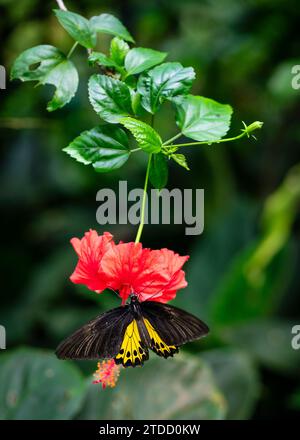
x=133, y=298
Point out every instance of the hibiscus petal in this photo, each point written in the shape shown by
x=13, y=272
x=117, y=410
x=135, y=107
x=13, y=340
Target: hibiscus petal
x=90, y=250
x=172, y=277
x=122, y=264
x=131, y=269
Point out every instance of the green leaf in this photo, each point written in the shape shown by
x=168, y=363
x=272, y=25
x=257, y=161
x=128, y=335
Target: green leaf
x=47, y=65
x=35, y=63
x=139, y=59
x=98, y=403
x=202, y=118
x=165, y=81
x=159, y=171
x=237, y=378
x=105, y=147
x=265, y=284
x=118, y=50
x=131, y=81
x=136, y=102
x=101, y=59
x=36, y=385
x=263, y=270
x=109, y=24
x=147, y=138
x=110, y=98
x=268, y=342
x=78, y=27
x=65, y=78
x=192, y=394
x=181, y=160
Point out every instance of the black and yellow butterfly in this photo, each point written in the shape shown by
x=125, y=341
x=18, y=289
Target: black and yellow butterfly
x=127, y=332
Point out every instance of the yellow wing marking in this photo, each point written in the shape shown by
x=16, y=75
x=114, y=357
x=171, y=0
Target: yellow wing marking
x=157, y=344
x=132, y=351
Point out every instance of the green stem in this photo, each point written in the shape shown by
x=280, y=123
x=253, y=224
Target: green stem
x=122, y=72
x=140, y=230
x=172, y=139
x=152, y=120
x=72, y=49
x=191, y=144
x=135, y=149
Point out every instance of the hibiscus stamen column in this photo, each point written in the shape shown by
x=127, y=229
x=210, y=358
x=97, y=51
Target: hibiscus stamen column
x=142, y=221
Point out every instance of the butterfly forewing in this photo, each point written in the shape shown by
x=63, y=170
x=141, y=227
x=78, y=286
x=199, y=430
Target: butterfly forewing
x=125, y=334
x=100, y=338
x=174, y=326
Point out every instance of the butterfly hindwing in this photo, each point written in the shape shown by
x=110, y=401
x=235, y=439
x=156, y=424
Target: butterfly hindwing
x=133, y=350
x=157, y=344
x=174, y=326
x=98, y=339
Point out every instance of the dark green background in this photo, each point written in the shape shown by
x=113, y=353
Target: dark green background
x=243, y=272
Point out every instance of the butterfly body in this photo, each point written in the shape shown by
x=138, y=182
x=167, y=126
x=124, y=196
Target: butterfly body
x=127, y=333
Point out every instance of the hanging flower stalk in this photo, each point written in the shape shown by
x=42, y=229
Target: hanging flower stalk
x=129, y=86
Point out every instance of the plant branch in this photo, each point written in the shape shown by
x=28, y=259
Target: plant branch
x=72, y=49
x=61, y=5
x=172, y=139
x=140, y=230
x=194, y=144
x=245, y=132
x=152, y=120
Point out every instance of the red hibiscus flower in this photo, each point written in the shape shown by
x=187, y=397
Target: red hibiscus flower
x=128, y=268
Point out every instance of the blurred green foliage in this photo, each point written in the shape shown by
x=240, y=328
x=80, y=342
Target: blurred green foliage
x=243, y=277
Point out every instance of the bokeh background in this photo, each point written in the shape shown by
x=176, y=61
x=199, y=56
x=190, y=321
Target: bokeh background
x=243, y=272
